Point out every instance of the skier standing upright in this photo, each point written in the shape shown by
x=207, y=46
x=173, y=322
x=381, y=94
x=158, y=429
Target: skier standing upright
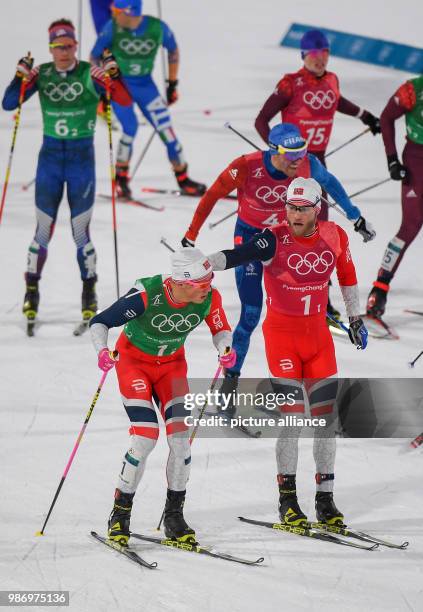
x=135, y=39
x=69, y=91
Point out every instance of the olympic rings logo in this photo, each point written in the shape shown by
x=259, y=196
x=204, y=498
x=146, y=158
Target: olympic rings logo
x=311, y=262
x=271, y=195
x=320, y=99
x=137, y=47
x=63, y=91
x=176, y=322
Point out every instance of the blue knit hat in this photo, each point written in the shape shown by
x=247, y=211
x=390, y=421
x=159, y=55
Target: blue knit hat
x=313, y=40
x=133, y=8
x=288, y=137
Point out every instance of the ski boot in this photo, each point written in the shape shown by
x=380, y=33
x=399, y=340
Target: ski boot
x=376, y=300
x=118, y=525
x=174, y=523
x=326, y=511
x=188, y=186
x=228, y=388
x=290, y=512
x=89, y=299
x=123, y=190
x=30, y=305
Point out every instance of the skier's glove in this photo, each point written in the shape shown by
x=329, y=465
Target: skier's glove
x=24, y=67
x=186, y=242
x=107, y=359
x=228, y=359
x=171, y=91
x=397, y=171
x=371, y=121
x=358, y=332
x=109, y=64
x=365, y=229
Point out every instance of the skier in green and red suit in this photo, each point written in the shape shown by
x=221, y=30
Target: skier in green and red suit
x=69, y=91
x=158, y=313
x=408, y=101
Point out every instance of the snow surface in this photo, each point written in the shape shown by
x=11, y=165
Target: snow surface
x=230, y=63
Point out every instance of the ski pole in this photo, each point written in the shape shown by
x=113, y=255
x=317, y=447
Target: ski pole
x=353, y=195
x=12, y=147
x=27, y=185
x=159, y=14
x=250, y=142
x=231, y=214
x=339, y=323
x=112, y=179
x=412, y=363
x=348, y=142
x=73, y=453
x=194, y=431
x=166, y=244
x=143, y=153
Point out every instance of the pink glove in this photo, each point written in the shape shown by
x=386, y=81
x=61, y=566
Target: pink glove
x=107, y=359
x=229, y=358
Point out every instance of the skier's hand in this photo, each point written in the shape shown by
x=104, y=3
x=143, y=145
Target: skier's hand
x=228, y=359
x=358, y=333
x=186, y=242
x=107, y=359
x=371, y=121
x=171, y=91
x=24, y=66
x=109, y=64
x=365, y=229
x=397, y=171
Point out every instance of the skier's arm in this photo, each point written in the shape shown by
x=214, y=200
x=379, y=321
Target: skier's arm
x=231, y=178
x=218, y=324
x=129, y=306
x=261, y=247
x=347, y=277
x=279, y=99
x=403, y=101
x=169, y=43
x=118, y=90
x=104, y=41
x=334, y=188
x=12, y=93
x=347, y=107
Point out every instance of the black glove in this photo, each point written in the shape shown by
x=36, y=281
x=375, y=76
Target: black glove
x=109, y=64
x=397, y=171
x=365, y=229
x=186, y=242
x=171, y=91
x=372, y=121
x=24, y=67
x=358, y=332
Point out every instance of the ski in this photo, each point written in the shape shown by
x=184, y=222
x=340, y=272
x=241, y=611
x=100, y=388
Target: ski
x=309, y=532
x=132, y=202
x=179, y=192
x=415, y=312
x=378, y=328
x=196, y=548
x=124, y=550
x=346, y=531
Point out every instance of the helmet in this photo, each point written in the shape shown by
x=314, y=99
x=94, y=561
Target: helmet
x=133, y=8
x=304, y=192
x=286, y=139
x=313, y=40
x=190, y=264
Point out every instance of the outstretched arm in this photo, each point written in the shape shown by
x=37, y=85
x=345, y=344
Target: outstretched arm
x=261, y=247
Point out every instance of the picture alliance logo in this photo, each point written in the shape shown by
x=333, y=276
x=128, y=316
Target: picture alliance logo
x=137, y=47
x=319, y=99
x=63, y=91
x=175, y=322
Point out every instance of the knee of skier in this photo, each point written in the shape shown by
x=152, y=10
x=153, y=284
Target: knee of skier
x=142, y=445
x=250, y=317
